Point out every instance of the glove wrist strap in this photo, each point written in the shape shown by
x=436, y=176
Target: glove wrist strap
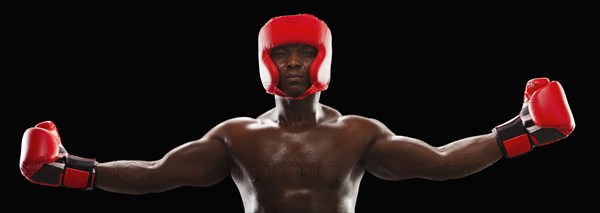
x=512, y=138
x=79, y=173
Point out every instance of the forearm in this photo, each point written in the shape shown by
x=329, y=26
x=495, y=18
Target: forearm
x=130, y=177
x=469, y=155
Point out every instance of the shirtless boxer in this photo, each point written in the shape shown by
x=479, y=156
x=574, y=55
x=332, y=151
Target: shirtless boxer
x=300, y=156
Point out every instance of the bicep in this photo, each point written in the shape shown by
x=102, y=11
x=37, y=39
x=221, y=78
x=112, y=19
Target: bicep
x=393, y=157
x=203, y=162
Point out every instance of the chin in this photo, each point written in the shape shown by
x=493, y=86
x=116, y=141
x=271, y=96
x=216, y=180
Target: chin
x=295, y=91
x=294, y=95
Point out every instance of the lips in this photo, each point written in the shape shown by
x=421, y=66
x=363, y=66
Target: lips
x=294, y=77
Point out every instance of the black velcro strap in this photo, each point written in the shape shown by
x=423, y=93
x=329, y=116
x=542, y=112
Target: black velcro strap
x=547, y=135
x=79, y=166
x=510, y=129
x=79, y=163
x=48, y=174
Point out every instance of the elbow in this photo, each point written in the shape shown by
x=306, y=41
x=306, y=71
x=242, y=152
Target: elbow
x=152, y=179
x=456, y=171
x=448, y=168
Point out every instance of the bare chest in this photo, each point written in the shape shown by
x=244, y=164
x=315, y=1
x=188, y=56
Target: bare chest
x=308, y=158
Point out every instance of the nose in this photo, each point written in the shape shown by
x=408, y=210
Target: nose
x=293, y=62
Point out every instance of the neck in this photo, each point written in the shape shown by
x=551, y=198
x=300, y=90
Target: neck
x=298, y=112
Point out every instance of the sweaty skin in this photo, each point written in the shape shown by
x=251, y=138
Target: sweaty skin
x=300, y=156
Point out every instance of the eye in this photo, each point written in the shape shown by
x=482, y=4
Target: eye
x=278, y=54
x=308, y=54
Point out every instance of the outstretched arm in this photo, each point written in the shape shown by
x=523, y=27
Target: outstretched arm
x=544, y=119
x=393, y=157
x=198, y=163
x=203, y=162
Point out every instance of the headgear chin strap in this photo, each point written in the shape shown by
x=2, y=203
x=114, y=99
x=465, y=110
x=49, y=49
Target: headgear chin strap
x=300, y=28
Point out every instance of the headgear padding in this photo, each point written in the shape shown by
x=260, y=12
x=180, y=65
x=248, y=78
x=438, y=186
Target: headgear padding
x=301, y=28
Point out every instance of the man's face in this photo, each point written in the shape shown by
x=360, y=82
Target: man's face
x=293, y=62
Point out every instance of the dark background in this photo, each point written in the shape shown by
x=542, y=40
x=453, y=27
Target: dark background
x=134, y=81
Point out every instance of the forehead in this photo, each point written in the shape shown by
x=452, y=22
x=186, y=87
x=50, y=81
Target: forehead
x=294, y=46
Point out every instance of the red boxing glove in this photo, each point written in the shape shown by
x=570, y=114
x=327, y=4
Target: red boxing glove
x=45, y=161
x=544, y=119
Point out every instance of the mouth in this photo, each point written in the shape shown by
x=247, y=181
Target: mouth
x=294, y=77
x=294, y=80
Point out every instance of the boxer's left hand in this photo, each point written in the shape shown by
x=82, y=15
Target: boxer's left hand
x=544, y=118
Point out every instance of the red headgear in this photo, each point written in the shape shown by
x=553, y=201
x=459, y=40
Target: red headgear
x=300, y=28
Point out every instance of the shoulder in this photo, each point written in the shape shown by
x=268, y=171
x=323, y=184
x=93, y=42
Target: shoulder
x=236, y=123
x=243, y=125
x=356, y=124
x=352, y=120
x=232, y=127
x=361, y=121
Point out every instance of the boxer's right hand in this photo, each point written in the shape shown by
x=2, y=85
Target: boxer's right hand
x=44, y=160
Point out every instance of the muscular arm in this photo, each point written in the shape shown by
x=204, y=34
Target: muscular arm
x=203, y=162
x=393, y=157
